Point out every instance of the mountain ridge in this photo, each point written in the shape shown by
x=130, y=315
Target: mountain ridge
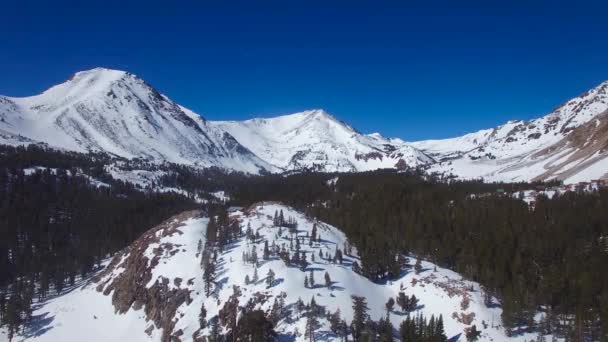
x=119, y=113
x=155, y=288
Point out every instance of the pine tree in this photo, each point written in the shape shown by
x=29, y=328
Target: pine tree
x=334, y=321
x=306, y=281
x=270, y=278
x=402, y=301
x=440, y=331
x=266, y=255
x=312, y=324
x=208, y=277
x=214, y=331
x=255, y=275
x=472, y=334
x=385, y=330
x=390, y=304
x=418, y=266
x=327, y=280
x=202, y=317
x=300, y=306
x=311, y=278
x=359, y=316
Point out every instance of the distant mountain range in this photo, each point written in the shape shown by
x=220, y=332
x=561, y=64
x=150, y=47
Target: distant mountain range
x=118, y=113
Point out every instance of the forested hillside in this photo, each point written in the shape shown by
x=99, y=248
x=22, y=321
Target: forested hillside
x=550, y=258
x=61, y=214
x=57, y=226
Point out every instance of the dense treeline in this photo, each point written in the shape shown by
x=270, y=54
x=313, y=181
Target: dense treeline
x=551, y=257
x=56, y=228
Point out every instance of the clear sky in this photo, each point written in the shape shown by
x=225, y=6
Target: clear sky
x=410, y=69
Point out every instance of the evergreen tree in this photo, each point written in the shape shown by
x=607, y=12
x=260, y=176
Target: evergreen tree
x=418, y=266
x=254, y=326
x=359, y=316
x=390, y=304
x=214, y=331
x=327, y=280
x=208, y=277
x=270, y=277
x=472, y=334
x=312, y=324
x=202, y=317
x=334, y=321
x=266, y=255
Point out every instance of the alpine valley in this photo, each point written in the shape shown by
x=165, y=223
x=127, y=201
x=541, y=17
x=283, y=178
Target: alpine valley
x=125, y=216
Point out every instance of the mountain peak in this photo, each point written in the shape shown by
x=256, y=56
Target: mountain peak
x=99, y=71
x=85, y=82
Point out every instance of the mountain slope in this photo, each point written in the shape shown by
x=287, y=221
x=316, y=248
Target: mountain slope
x=315, y=140
x=116, y=112
x=539, y=149
x=154, y=290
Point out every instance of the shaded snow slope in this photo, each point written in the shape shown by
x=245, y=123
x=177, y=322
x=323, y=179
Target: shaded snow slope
x=154, y=289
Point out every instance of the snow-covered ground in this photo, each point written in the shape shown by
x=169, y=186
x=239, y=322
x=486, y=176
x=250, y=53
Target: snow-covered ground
x=86, y=314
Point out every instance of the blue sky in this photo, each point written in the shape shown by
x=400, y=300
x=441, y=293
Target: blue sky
x=411, y=69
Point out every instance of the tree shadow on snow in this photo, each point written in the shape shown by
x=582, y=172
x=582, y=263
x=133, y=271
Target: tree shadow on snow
x=286, y=338
x=454, y=338
x=324, y=335
x=38, y=326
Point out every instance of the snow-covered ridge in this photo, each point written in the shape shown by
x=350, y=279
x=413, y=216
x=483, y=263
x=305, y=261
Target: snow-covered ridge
x=155, y=289
x=316, y=140
x=528, y=150
x=119, y=113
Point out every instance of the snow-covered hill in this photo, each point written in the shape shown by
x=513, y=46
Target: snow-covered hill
x=117, y=112
x=529, y=150
x=155, y=289
x=315, y=140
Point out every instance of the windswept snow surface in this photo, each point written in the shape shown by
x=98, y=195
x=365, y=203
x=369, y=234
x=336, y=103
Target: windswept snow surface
x=85, y=314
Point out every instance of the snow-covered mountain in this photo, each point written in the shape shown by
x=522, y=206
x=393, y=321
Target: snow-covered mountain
x=560, y=145
x=315, y=140
x=117, y=112
x=154, y=290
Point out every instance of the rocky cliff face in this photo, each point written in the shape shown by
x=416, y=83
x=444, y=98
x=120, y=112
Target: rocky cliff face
x=130, y=279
